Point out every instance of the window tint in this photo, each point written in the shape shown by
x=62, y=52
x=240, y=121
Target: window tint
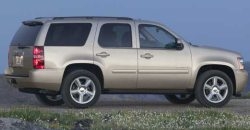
x=115, y=35
x=155, y=37
x=26, y=35
x=68, y=34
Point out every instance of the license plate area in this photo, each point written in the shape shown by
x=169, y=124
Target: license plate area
x=18, y=59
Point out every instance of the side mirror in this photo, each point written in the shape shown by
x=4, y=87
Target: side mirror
x=179, y=44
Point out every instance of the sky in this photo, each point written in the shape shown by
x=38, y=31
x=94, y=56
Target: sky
x=218, y=23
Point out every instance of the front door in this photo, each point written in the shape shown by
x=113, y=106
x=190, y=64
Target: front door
x=160, y=64
x=115, y=51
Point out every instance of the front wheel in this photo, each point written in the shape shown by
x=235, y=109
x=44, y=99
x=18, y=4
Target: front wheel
x=80, y=89
x=213, y=88
x=180, y=98
x=51, y=100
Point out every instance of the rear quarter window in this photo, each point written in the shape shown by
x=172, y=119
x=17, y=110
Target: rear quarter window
x=68, y=34
x=26, y=35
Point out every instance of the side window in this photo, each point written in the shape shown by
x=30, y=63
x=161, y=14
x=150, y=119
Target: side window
x=115, y=35
x=152, y=36
x=67, y=34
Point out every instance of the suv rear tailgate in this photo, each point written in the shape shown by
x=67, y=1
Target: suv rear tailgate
x=20, y=60
x=21, y=48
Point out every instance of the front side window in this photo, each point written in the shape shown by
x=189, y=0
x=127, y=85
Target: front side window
x=68, y=34
x=115, y=35
x=152, y=36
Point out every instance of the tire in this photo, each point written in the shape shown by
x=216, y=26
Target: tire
x=80, y=89
x=55, y=100
x=180, y=98
x=213, y=88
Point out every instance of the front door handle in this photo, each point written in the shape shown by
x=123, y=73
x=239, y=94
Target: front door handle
x=103, y=54
x=147, y=56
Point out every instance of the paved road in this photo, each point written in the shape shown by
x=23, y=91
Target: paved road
x=10, y=97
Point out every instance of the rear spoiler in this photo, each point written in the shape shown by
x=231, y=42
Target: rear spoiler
x=32, y=23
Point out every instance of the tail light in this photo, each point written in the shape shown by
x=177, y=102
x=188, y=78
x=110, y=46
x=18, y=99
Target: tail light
x=38, y=57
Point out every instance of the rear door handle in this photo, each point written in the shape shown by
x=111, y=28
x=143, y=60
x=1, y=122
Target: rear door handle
x=147, y=56
x=103, y=54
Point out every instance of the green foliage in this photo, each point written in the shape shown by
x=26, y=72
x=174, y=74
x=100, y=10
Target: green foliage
x=140, y=120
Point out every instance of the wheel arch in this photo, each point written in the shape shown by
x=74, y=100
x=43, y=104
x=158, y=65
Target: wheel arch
x=224, y=68
x=95, y=69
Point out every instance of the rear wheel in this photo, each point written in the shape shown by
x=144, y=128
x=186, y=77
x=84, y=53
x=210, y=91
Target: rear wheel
x=80, y=89
x=51, y=100
x=214, y=88
x=180, y=98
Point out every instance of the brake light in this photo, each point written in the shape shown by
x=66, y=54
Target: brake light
x=38, y=57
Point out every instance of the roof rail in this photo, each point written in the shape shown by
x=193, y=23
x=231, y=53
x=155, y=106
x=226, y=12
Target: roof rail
x=44, y=18
x=92, y=17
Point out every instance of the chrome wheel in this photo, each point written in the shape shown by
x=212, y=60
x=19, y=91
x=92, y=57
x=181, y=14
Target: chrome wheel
x=215, y=89
x=82, y=90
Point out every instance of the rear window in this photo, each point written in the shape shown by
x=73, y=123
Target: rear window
x=68, y=34
x=26, y=35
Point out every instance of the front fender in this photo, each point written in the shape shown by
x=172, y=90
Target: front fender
x=210, y=63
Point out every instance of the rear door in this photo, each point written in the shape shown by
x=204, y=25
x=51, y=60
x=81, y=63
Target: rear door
x=21, y=48
x=115, y=50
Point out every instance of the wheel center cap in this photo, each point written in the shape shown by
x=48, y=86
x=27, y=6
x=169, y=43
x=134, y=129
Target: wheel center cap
x=82, y=89
x=215, y=90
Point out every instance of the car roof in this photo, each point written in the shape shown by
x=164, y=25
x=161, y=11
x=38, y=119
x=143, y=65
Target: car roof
x=79, y=18
x=95, y=18
x=44, y=19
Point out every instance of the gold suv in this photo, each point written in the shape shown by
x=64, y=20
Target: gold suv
x=73, y=60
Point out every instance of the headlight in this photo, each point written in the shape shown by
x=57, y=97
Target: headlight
x=240, y=63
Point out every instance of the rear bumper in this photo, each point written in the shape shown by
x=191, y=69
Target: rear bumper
x=241, y=77
x=48, y=79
